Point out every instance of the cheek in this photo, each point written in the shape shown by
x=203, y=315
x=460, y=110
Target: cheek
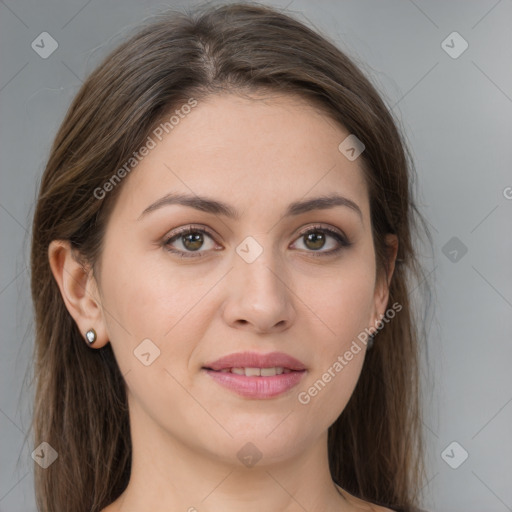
x=338, y=359
x=343, y=305
x=146, y=299
x=342, y=302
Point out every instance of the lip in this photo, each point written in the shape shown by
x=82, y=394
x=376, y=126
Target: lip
x=256, y=387
x=255, y=360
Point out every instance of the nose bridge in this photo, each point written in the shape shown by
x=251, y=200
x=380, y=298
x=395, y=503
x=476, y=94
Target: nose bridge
x=262, y=276
x=259, y=271
x=257, y=292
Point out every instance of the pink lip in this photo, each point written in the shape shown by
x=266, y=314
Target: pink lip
x=255, y=360
x=256, y=387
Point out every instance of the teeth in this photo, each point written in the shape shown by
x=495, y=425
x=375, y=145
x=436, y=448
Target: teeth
x=257, y=372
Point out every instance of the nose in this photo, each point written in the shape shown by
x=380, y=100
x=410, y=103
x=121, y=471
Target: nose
x=259, y=298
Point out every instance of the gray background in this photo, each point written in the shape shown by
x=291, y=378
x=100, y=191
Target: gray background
x=456, y=114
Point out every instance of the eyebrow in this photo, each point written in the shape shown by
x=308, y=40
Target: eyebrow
x=206, y=204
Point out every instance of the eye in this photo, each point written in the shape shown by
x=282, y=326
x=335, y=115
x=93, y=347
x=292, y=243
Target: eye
x=189, y=239
x=316, y=238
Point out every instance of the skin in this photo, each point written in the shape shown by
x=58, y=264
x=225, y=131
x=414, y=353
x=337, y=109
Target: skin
x=257, y=154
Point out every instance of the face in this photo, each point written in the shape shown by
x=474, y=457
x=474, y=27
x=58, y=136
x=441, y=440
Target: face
x=260, y=276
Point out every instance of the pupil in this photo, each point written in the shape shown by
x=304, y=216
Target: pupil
x=317, y=239
x=196, y=239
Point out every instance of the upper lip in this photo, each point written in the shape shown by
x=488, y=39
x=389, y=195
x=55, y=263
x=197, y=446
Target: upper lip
x=256, y=360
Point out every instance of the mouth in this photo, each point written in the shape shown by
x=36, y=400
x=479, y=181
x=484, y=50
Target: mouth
x=255, y=372
x=257, y=376
x=254, y=361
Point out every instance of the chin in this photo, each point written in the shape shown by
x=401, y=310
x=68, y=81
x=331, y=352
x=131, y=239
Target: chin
x=260, y=441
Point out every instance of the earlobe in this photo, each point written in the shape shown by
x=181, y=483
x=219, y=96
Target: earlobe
x=79, y=292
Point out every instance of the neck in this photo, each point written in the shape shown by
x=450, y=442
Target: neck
x=168, y=474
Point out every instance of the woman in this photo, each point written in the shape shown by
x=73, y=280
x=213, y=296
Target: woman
x=220, y=260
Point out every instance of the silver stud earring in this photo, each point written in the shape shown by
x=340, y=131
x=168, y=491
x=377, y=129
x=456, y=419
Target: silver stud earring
x=91, y=336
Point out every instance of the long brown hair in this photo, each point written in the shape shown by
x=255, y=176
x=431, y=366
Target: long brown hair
x=375, y=446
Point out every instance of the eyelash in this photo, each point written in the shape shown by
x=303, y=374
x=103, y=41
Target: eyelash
x=343, y=242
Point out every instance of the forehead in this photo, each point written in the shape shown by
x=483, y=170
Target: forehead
x=259, y=153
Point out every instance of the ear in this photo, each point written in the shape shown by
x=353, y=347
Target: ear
x=79, y=290
x=382, y=285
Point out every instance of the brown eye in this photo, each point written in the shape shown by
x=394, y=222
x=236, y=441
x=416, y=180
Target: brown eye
x=189, y=240
x=321, y=241
x=314, y=240
x=192, y=241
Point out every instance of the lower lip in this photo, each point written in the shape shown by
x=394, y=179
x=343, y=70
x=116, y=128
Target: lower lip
x=257, y=387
